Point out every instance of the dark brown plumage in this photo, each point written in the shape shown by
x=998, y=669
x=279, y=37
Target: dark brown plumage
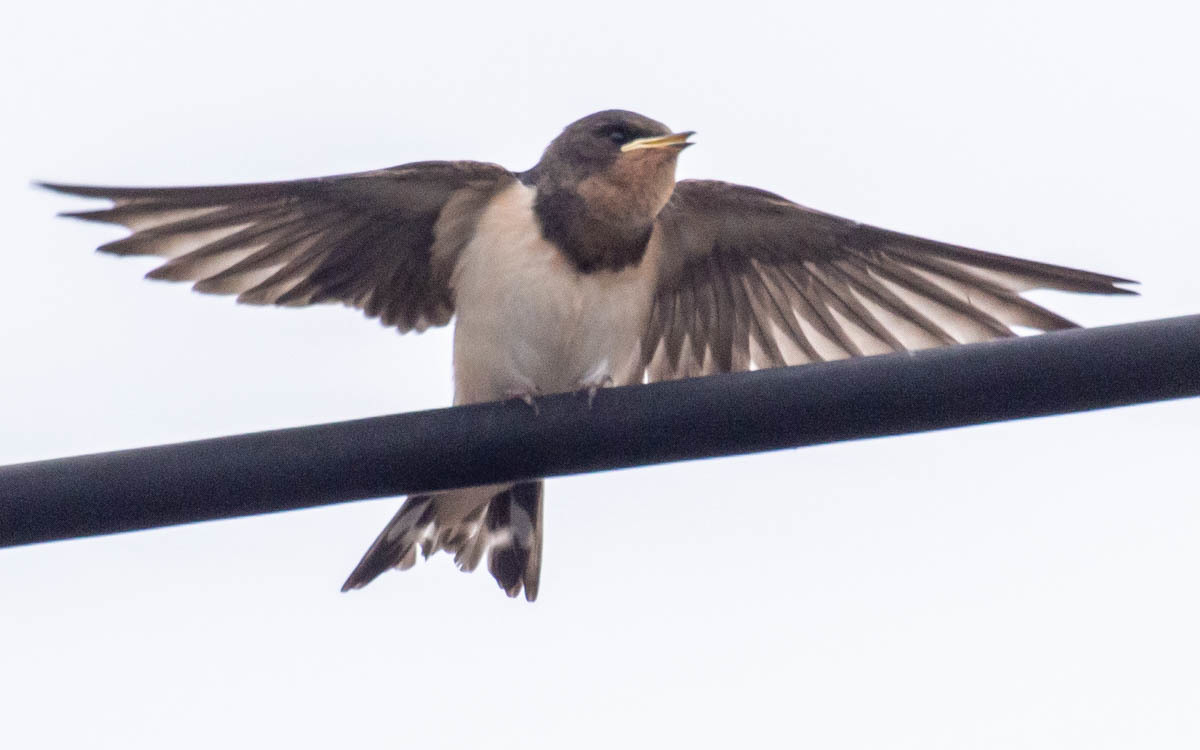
x=366, y=240
x=592, y=267
x=594, y=202
x=749, y=276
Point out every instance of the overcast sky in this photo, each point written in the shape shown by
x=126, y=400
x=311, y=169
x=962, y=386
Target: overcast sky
x=1032, y=584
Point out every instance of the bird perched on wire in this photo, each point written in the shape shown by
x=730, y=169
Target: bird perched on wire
x=595, y=267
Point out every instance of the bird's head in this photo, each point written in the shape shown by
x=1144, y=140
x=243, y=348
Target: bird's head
x=620, y=162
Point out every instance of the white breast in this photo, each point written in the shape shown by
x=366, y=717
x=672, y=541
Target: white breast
x=528, y=322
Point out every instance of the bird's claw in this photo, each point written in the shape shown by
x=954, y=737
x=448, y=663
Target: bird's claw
x=527, y=397
x=591, y=389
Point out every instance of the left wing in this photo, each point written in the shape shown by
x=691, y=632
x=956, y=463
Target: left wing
x=749, y=279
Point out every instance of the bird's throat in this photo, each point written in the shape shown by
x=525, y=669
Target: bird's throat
x=591, y=238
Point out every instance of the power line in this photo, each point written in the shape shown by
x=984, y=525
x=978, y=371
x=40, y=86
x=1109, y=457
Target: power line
x=302, y=467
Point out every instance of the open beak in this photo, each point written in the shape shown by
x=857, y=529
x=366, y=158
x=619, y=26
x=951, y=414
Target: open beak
x=677, y=141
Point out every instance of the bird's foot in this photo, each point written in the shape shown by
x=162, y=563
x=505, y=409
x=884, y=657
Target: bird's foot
x=527, y=397
x=593, y=387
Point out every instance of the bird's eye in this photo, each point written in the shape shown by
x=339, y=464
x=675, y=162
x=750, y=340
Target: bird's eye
x=618, y=135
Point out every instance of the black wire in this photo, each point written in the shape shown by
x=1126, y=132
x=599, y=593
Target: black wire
x=720, y=415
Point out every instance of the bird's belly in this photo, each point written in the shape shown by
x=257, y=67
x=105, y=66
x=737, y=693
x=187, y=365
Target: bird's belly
x=529, y=322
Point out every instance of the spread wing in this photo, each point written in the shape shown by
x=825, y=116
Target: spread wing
x=750, y=279
x=382, y=241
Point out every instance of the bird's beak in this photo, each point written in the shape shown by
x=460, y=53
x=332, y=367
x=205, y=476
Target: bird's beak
x=678, y=141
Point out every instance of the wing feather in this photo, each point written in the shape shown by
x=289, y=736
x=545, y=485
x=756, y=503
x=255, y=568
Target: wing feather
x=751, y=279
x=782, y=312
x=371, y=240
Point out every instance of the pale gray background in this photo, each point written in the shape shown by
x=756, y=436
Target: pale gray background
x=1030, y=584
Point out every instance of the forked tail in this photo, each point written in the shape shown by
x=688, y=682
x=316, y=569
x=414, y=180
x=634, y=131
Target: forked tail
x=502, y=521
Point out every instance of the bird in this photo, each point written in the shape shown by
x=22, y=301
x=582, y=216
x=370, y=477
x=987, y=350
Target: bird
x=595, y=267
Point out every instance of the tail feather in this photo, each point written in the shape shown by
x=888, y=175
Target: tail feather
x=503, y=522
x=514, y=521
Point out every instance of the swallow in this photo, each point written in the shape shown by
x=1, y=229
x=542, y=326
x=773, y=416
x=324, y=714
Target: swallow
x=595, y=267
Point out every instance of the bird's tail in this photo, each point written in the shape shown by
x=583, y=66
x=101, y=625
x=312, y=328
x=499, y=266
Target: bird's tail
x=503, y=521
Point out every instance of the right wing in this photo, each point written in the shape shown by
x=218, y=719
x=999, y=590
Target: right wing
x=384, y=241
